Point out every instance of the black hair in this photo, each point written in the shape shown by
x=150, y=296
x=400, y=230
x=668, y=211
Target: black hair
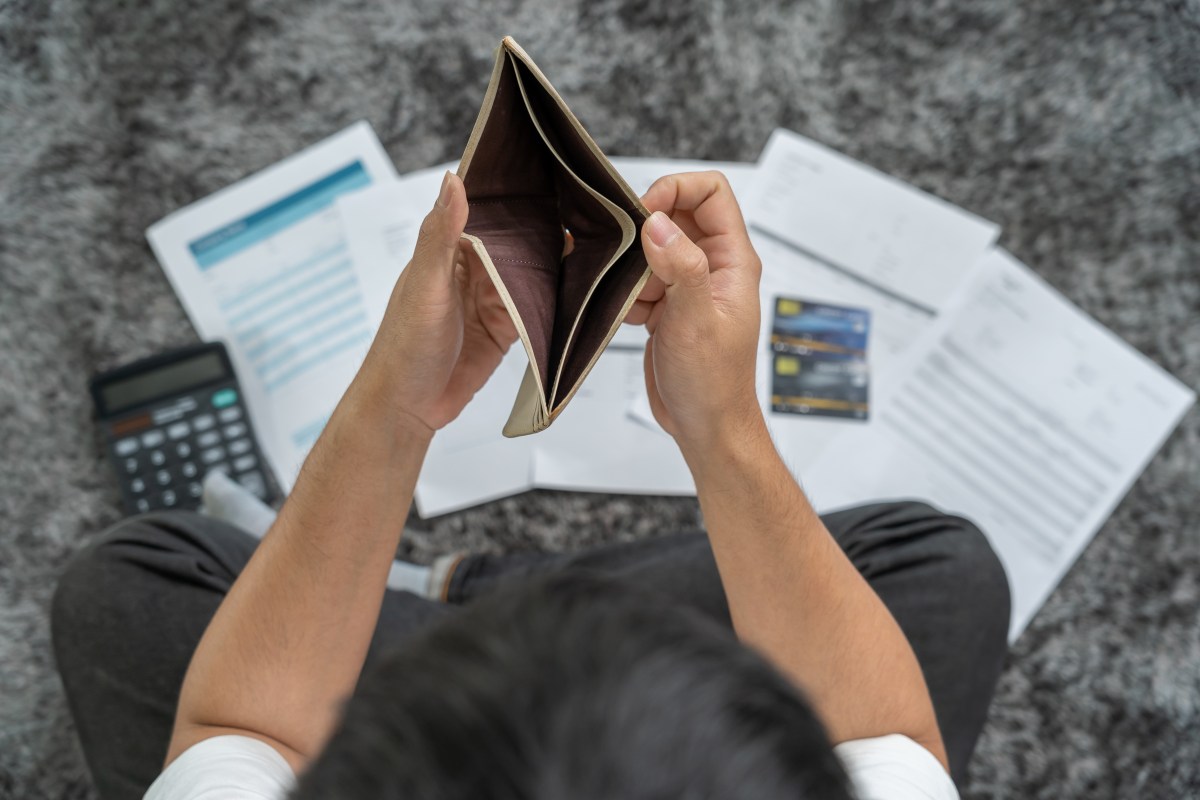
x=575, y=687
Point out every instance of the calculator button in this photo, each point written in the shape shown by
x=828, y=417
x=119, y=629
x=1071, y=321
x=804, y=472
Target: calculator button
x=179, y=430
x=137, y=486
x=203, y=422
x=188, y=469
x=235, y=430
x=127, y=446
x=157, y=458
x=163, y=477
x=183, y=449
x=212, y=455
x=254, y=482
x=168, y=498
x=131, y=465
x=224, y=397
x=232, y=414
x=142, y=505
x=239, y=447
x=221, y=467
x=152, y=438
x=245, y=462
x=208, y=439
x=195, y=489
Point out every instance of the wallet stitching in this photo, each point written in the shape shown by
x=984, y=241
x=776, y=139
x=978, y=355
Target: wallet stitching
x=538, y=264
x=509, y=201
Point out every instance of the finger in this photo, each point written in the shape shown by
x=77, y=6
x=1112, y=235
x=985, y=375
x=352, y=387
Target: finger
x=437, y=242
x=494, y=317
x=706, y=195
x=655, y=317
x=677, y=262
x=639, y=312
x=656, y=404
x=653, y=290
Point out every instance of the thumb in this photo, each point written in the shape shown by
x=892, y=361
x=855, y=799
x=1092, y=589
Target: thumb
x=437, y=242
x=676, y=260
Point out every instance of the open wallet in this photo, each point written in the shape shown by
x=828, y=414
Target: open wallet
x=532, y=173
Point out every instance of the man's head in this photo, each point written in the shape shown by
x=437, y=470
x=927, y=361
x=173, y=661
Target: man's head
x=575, y=688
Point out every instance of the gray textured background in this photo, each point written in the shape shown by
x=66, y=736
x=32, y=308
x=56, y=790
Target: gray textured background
x=1075, y=124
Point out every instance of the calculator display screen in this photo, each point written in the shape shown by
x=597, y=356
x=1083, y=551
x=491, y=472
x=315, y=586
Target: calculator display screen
x=165, y=380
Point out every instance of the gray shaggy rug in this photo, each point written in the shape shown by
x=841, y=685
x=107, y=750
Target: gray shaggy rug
x=1075, y=125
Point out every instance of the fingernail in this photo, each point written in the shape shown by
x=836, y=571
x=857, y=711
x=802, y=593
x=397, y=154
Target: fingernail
x=443, y=200
x=662, y=230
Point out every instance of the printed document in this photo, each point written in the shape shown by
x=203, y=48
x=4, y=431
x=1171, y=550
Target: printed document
x=381, y=223
x=264, y=266
x=1017, y=411
x=832, y=230
x=856, y=219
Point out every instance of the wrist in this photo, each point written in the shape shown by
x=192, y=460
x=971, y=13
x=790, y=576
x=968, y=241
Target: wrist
x=737, y=440
x=375, y=402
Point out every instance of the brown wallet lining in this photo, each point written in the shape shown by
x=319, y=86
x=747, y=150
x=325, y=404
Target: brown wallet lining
x=523, y=195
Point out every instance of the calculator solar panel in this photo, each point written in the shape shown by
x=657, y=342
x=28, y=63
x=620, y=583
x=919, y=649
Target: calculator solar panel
x=170, y=420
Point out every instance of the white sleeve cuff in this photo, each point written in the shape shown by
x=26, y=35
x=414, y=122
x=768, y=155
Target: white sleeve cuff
x=894, y=768
x=225, y=768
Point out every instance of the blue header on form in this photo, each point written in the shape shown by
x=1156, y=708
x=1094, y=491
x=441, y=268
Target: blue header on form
x=269, y=220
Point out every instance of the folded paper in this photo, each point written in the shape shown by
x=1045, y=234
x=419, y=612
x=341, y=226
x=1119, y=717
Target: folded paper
x=532, y=173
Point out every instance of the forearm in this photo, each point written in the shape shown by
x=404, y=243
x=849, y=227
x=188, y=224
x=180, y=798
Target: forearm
x=794, y=595
x=287, y=644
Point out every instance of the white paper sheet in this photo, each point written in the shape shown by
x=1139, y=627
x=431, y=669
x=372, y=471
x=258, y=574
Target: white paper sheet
x=264, y=266
x=871, y=225
x=1017, y=411
x=381, y=224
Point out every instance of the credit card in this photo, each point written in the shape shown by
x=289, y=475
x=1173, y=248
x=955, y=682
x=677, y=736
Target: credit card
x=819, y=359
x=802, y=326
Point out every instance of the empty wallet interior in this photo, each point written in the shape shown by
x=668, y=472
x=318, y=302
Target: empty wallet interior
x=531, y=173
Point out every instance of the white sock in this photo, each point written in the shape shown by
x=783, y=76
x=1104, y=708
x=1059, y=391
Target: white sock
x=226, y=499
x=409, y=577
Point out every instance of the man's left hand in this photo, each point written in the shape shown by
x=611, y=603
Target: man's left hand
x=445, y=329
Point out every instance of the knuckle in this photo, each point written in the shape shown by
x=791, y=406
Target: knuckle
x=428, y=228
x=693, y=265
x=720, y=179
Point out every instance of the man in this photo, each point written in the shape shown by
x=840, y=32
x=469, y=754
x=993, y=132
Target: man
x=614, y=673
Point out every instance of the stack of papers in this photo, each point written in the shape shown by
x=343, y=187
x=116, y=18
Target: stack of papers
x=980, y=389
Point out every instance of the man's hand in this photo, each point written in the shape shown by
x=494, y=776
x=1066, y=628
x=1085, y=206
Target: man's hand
x=793, y=594
x=700, y=307
x=445, y=329
x=287, y=644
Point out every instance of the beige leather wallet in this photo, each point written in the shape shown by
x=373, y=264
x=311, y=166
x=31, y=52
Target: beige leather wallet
x=532, y=173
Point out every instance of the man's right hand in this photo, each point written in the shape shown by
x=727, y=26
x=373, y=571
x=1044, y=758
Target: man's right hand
x=793, y=594
x=701, y=308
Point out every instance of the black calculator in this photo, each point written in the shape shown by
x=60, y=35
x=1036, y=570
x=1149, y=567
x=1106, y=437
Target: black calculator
x=171, y=419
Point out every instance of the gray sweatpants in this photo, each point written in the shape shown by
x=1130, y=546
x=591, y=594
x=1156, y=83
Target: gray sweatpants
x=132, y=606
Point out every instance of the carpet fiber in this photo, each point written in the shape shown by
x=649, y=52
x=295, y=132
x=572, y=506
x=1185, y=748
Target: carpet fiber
x=1075, y=125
